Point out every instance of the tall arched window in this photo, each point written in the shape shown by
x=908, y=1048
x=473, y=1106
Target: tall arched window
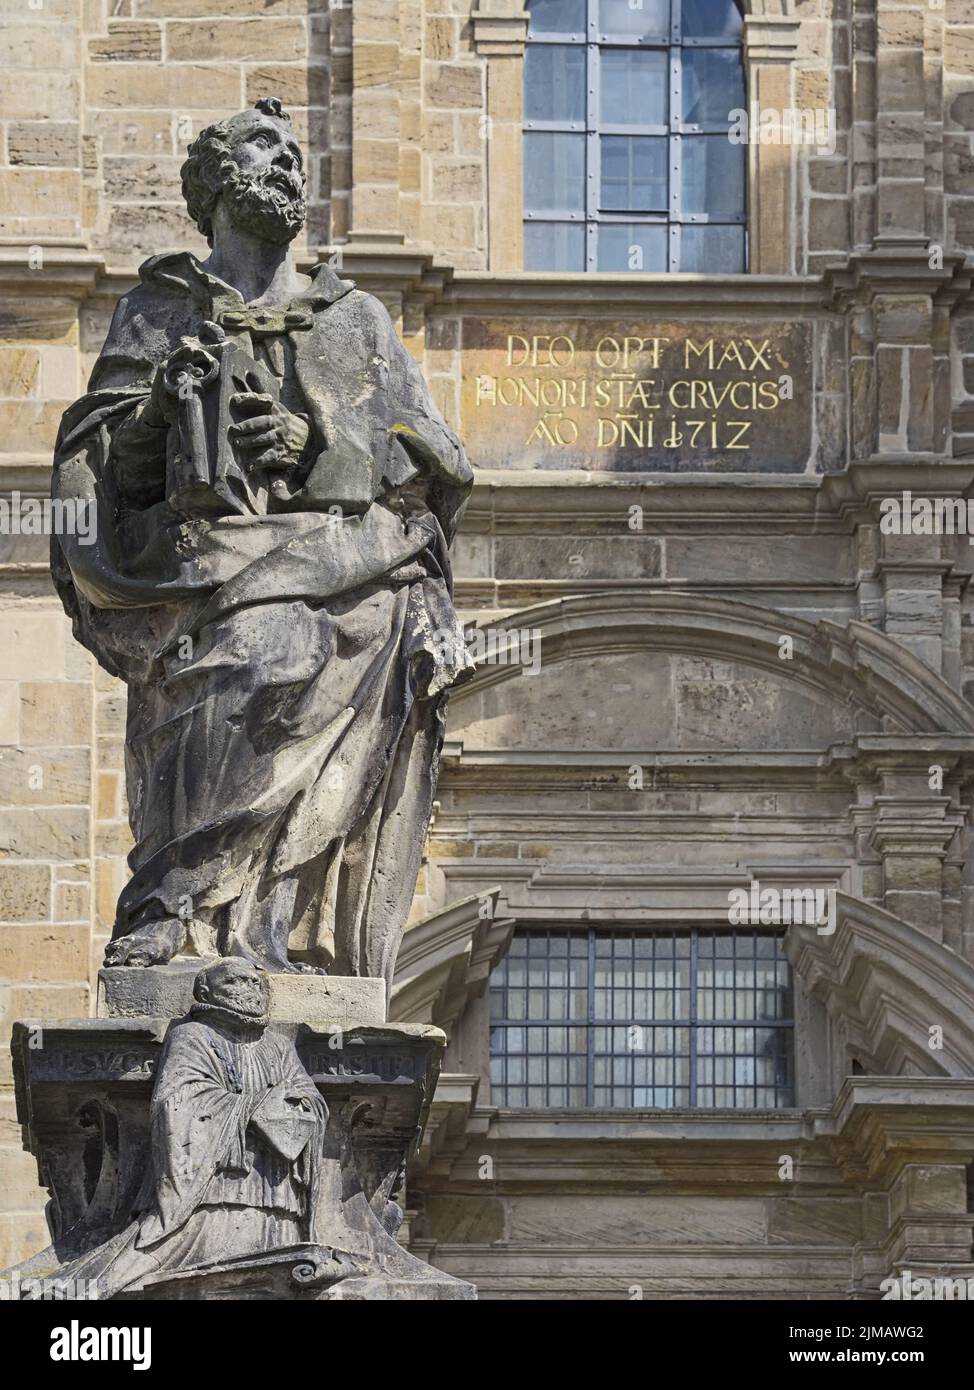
x=627, y=160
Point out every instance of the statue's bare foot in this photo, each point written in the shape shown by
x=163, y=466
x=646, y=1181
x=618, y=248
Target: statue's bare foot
x=154, y=943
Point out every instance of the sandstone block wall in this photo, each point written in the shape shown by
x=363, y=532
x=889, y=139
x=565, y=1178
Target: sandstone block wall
x=410, y=113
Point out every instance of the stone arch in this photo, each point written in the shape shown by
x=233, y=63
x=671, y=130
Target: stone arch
x=883, y=983
x=886, y=687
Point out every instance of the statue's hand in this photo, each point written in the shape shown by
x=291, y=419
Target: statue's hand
x=266, y=435
x=189, y=362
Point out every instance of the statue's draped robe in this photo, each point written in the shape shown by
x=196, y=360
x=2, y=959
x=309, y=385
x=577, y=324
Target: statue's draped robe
x=287, y=672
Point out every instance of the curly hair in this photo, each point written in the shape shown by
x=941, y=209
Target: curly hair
x=210, y=164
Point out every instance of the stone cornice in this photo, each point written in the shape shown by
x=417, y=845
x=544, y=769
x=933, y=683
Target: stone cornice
x=828, y=502
x=528, y=499
x=385, y=265
x=73, y=273
x=501, y=597
x=882, y=1123
x=545, y=500
x=859, y=760
x=896, y=270
x=452, y=1120
x=771, y=38
x=856, y=493
x=389, y=268
x=573, y=1150
x=500, y=28
x=532, y=891
x=869, y=755
x=534, y=294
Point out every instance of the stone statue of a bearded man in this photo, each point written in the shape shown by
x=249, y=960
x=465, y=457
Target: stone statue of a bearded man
x=275, y=496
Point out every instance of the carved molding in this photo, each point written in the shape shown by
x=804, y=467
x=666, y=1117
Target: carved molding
x=446, y=959
x=873, y=672
x=770, y=38
x=884, y=984
x=500, y=28
x=897, y=270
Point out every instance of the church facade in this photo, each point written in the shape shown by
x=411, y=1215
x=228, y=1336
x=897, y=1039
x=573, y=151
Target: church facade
x=692, y=280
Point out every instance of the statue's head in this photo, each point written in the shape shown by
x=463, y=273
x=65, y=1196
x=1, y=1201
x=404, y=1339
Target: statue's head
x=253, y=162
x=236, y=986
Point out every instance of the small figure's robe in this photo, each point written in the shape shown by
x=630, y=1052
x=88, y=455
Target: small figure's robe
x=216, y=1190
x=206, y=1149
x=287, y=671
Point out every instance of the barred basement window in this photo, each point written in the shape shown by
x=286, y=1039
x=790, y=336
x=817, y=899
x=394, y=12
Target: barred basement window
x=627, y=161
x=642, y=1020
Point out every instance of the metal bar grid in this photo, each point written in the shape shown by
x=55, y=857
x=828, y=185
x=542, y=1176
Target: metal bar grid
x=642, y=1019
x=598, y=40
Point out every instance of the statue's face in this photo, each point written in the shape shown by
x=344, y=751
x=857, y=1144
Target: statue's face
x=264, y=144
x=265, y=196
x=238, y=986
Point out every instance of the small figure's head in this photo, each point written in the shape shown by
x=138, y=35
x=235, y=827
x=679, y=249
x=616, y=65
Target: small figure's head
x=253, y=162
x=234, y=985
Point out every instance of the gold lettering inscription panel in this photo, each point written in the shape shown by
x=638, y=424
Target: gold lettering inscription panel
x=635, y=396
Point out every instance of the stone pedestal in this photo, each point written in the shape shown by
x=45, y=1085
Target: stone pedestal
x=166, y=991
x=83, y=1095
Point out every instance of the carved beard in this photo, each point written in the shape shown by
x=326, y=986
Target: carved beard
x=270, y=205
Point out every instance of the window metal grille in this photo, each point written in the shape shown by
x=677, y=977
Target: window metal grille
x=627, y=161
x=642, y=1020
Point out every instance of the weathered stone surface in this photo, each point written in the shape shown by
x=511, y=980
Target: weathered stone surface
x=453, y=85
x=581, y=557
x=327, y=1001
x=261, y=39
x=43, y=142
x=174, y=86
x=44, y=833
x=466, y=1220
x=39, y=952
x=9, y=712
x=25, y=893
x=167, y=992
x=304, y=1191
x=132, y=177
x=746, y=764
x=604, y=394
x=267, y=823
x=128, y=41
x=959, y=50
x=55, y=712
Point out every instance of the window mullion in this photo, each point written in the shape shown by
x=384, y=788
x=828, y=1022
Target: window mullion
x=590, y=1028
x=674, y=158
x=593, y=79
x=693, y=1017
x=671, y=43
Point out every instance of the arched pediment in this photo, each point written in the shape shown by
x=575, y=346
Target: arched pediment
x=719, y=677
x=446, y=959
x=885, y=985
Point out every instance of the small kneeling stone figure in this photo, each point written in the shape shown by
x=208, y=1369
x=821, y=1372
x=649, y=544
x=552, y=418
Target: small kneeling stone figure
x=237, y=1130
